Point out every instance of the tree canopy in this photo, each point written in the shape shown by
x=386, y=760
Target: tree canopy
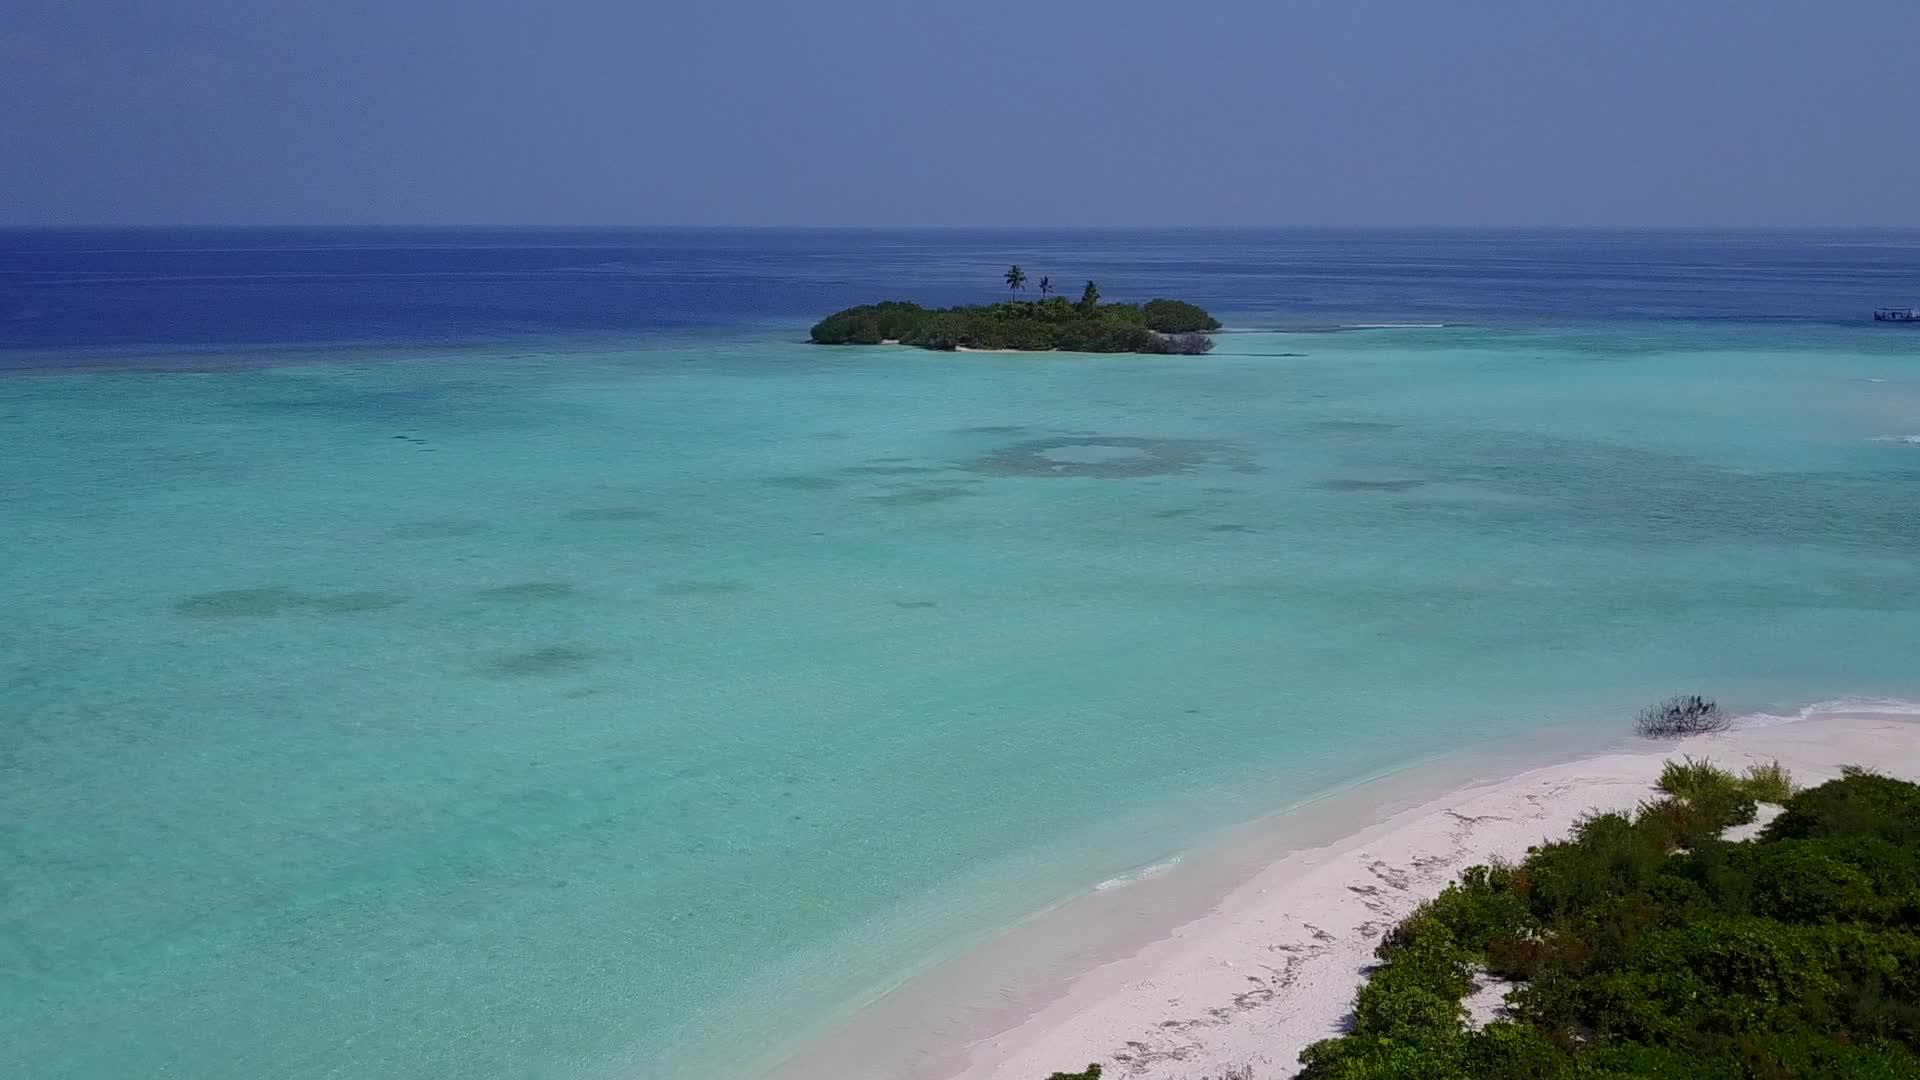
x=1178, y=317
x=1089, y=297
x=1163, y=326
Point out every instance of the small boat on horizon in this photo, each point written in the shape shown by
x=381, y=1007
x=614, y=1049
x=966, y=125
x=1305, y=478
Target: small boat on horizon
x=1894, y=314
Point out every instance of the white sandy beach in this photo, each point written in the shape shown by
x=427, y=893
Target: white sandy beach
x=1273, y=966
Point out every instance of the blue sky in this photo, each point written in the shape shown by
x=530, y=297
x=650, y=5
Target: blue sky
x=1684, y=112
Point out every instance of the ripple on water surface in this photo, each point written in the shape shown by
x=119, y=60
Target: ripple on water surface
x=271, y=601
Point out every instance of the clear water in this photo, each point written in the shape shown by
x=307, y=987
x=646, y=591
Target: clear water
x=511, y=654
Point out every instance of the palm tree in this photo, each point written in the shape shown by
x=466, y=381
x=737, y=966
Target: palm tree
x=1046, y=285
x=1090, y=297
x=1016, y=279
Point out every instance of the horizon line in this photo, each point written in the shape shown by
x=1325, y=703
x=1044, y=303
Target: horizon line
x=826, y=227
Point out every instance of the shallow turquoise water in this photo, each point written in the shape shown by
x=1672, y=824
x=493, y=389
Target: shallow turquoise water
x=561, y=713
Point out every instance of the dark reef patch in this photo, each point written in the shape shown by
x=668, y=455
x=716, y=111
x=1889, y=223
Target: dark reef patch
x=921, y=496
x=544, y=660
x=915, y=605
x=526, y=592
x=274, y=601
x=992, y=429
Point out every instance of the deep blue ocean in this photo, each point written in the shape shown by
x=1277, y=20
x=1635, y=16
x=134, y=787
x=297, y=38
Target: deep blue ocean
x=210, y=288
x=514, y=653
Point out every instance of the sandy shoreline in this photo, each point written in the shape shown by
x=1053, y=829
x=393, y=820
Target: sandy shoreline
x=1273, y=963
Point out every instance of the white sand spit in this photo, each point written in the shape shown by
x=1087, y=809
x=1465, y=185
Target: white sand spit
x=1246, y=963
x=1275, y=966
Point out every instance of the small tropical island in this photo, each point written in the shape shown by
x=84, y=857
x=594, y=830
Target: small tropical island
x=1017, y=325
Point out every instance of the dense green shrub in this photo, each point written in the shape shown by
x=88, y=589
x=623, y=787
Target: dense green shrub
x=1807, y=881
x=1769, y=783
x=1686, y=778
x=1419, y=987
x=1178, y=317
x=942, y=330
x=1488, y=902
x=1506, y=1051
x=1690, y=823
x=1790, y=957
x=1024, y=325
x=1373, y=1057
x=870, y=324
x=1609, y=855
x=1805, y=1054
x=1725, y=806
x=1861, y=803
x=1653, y=1063
x=1092, y=1072
x=1515, y=956
x=1704, y=781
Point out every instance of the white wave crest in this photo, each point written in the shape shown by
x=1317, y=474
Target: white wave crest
x=1877, y=706
x=1145, y=873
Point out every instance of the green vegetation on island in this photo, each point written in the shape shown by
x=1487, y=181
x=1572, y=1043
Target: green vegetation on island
x=1645, y=946
x=1052, y=322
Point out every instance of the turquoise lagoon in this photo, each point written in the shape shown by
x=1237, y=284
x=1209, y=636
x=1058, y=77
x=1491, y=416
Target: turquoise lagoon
x=628, y=709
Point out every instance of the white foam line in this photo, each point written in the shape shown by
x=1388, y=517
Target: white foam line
x=1145, y=873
